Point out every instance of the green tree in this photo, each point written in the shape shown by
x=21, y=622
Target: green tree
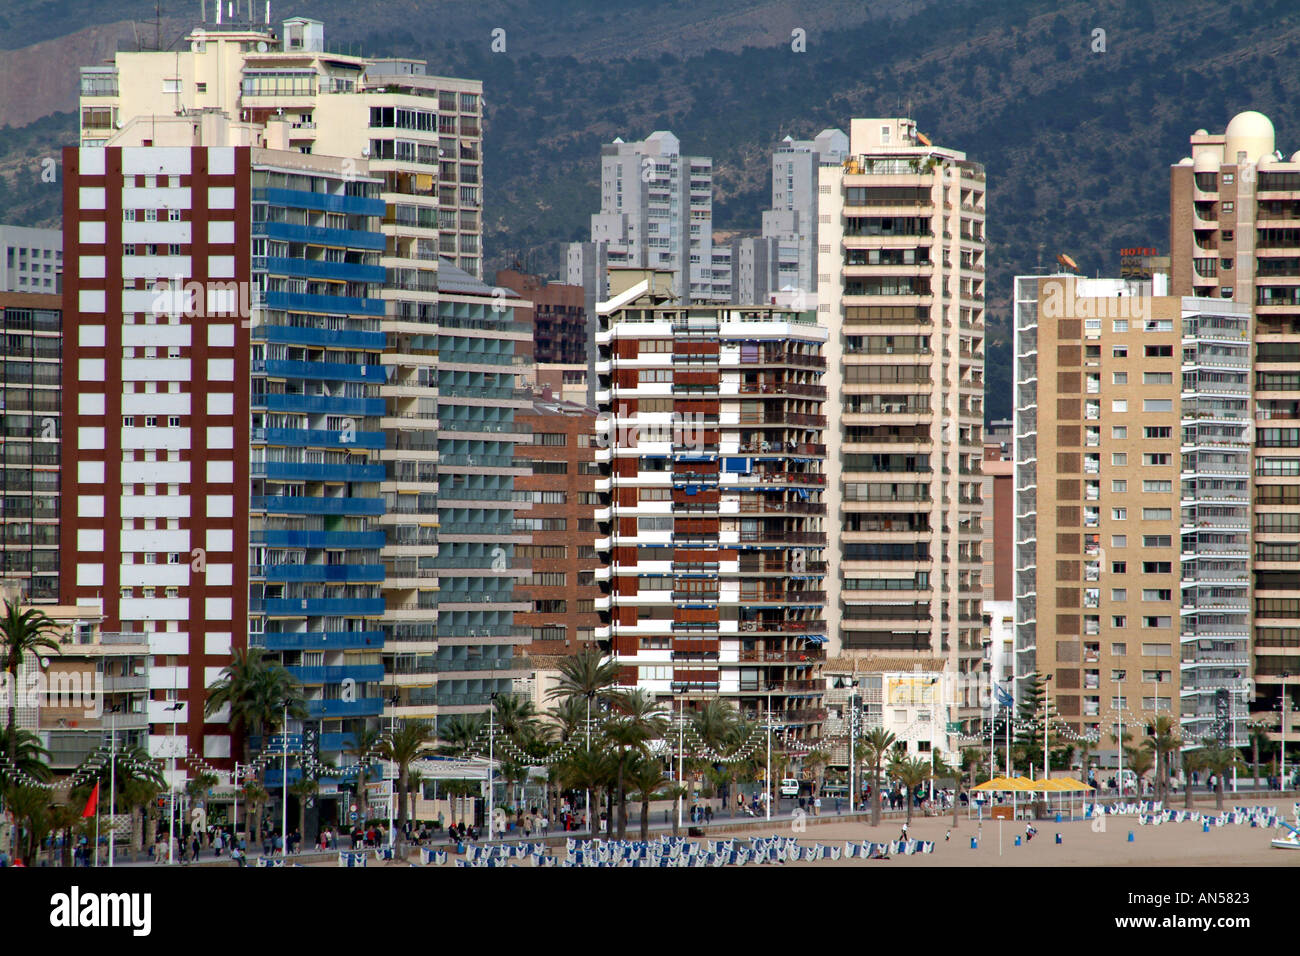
x=362, y=749
x=30, y=759
x=588, y=771
x=877, y=746
x=639, y=720
x=304, y=789
x=645, y=778
x=1029, y=720
x=814, y=764
x=23, y=634
x=911, y=773
x=1220, y=761
x=33, y=813
x=515, y=715
x=413, y=740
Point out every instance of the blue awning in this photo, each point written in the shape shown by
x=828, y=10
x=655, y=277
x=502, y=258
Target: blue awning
x=737, y=465
x=815, y=638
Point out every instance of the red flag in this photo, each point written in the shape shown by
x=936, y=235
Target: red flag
x=92, y=805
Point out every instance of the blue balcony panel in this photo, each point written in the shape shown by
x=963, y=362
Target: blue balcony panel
x=317, y=607
x=329, y=371
x=325, y=338
x=325, y=404
x=301, y=471
x=336, y=674
x=320, y=235
x=323, y=641
x=300, y=199
x=366, y=707
x=324, y=572
x=328, y=304
x=273, y=777
x=318, y=269
x=318, y=438
x=334, y=743
x=318, y=539
x=296, y=505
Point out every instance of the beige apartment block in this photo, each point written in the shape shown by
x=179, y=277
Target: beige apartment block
x=1132, y=499
x=901, y=291
x=1234, y=233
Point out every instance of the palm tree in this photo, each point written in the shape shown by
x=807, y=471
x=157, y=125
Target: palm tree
x=200, y=784
x=460, y=733
x=255, y=797
x=1085, y=747
x=1140, y=760
x=514, y=715
x=365, y=742
x=1258, y=736
x=22, y=633
x=304, y=788
x=911, y=774
x=639, y=720
x=138, y=795
x=674, y=792
x=31, y=811
x=716, y=723
x=878, y=745
x=588, y=770
x=815, y=763
x=645, y=778
x=31, y=757
x=1162, y=742
x=1220, y=761
x=412, y=741
x=1193, y=761
x=587, y=675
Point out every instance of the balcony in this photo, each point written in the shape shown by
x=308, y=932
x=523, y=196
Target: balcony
x=319, y=640
x=361, y=673
x=303, y=505
x=317, y=607
x=337, y=709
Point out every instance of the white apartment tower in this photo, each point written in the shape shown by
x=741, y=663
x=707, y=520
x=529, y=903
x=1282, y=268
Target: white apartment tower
x=901, y=290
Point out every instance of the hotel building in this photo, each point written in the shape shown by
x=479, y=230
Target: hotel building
x=713, y=431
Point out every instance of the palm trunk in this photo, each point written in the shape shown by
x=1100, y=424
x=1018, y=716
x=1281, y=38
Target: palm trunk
x=1187, y=796
x=1254, y=745
x=1218, y=790
x=622, y=804
x=875, y=796
x=908, y=791
x=645, y=818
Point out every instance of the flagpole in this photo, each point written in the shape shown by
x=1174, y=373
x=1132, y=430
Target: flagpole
x=96, y=822
x=112, y=783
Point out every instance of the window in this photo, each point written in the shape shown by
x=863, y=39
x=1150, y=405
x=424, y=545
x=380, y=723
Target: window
x=1118, y=567
x=1157, y=404
x=1119, y=378
x=1157, y=621
x=548, y=438
x=1119, y=458
x=1119, y=405
x=1157, y=378
x=1157, y=487
x=545, y=579
x=1117, y=620
x=654, y=375
x=656, y=494
x=1119, y=541
x=655, y=673
x=173, y=421
x=128, y=421
x=655, y=523
x=1157, y=567
x=1157, y=594
x=1157, y=431
x=1118, y=650
x=1119, y=431
x=1119, y=514
x=1119, y=595
x=1119, y=325
x=1159, y=351
x=1155, y=458
x=1118, y=486
x=1157, y=514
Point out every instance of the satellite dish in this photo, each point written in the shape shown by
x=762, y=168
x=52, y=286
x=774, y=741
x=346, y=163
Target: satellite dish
x=1066, y=261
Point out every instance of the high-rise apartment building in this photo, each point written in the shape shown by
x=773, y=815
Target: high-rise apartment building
x=715, y=528
x=1132, y=497
x=784, y=257
x=31, y=409
x=560, y=499
x=901, y=291
x=31, y=260
x=656, y=212
x=1233, y=231
x=559, y=317
x=433, y=393
x=224, y=353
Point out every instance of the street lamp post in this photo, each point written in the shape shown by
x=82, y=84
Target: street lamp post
x=491, y=818
x=1284, y=708
x=171, y=788
x=767, y=779
x=112, y=779
x=392, y=791
x=853, y=740
x=284, y=781
x=681, y=759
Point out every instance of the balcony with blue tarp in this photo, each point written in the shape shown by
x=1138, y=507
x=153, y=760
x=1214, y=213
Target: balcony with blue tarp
x=327, y=202
x=361, y=673
x=318, y=438
x=328, y=304
x=317, y=607
x=335, y=742
x=303, y=505
x=319, y=404
x=324, y=338
x=358, y=573
x=366, y=707
x=323, y=641
x=318, y=269
x=318, y=539
x=329, y=371
x=320, y=235
x=302, y=471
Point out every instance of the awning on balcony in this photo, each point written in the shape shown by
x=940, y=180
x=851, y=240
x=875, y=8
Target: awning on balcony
x=814, y=638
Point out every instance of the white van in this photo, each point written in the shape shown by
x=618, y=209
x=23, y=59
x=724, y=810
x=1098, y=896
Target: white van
x=789, y=787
